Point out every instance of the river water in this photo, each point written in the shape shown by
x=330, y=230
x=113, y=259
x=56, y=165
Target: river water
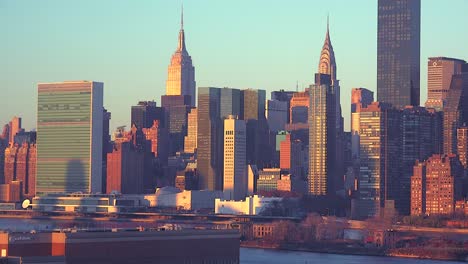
x=260, y=256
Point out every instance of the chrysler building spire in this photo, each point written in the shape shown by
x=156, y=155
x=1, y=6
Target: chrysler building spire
x=327, y=64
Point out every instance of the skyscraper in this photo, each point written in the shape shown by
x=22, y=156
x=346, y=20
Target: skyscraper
x=190, y=141
x=360, y=98
x=455, y=111
x=299, y=107
x=177, y=108
x=439, y=77
x=398, y=52
x=283, y=96
x=235, y=159
x=462, y=146
x=380, y=150
x=181, y=73
x=322, y=136
x=145, y=112
x=276, y=113
x=69, y=137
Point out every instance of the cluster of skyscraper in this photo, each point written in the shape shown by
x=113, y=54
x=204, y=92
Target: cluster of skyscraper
x=237, y=141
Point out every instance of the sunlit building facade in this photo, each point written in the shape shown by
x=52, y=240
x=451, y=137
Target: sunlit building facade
x=190, y=141
x=181, y=73
x=235, y=159
x=439, y=77
x=462, y=146
x=69, y=137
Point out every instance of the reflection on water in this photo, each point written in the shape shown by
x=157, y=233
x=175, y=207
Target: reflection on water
x=260, y=256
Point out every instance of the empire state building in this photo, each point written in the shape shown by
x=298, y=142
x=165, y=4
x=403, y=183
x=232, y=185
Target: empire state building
x=181, y=73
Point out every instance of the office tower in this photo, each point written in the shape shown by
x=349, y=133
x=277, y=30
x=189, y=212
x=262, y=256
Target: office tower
x=126, y=164
x=6, y=132
x=462, y=146
x=322, y=136
x=360, y=98
x=327, y=65
x=435, y=185
x=15, y=127
x=291, y=157
x=252, y=105
x=177, y=108
x=299, y=107
x=214, y=104
x=145, y=112
x=380, y=151
x=22, y=158
x=106, y=146
x=235, y=159
x=190, y=141
x=181, y=73
x=455, y=110
x=398, y=52
x=283, y=96
x=32, y=171
x=439, y=77
x=277, y=114
x=69, y=137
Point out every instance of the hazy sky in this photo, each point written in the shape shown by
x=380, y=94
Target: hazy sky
x=261, y=44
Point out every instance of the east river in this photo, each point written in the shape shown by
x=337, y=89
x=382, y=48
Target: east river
x=260, y=256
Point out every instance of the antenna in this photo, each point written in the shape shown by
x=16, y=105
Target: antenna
x=297, y=85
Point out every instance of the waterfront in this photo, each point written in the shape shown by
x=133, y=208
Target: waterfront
x=260, y=256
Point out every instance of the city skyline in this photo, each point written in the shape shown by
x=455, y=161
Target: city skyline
x=297, y=43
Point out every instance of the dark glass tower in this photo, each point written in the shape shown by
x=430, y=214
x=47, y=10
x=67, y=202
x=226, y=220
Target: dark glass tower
x=398, y=52
x=145, y=113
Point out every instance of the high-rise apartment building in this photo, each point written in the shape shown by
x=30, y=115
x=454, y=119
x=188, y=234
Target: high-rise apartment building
x=398, y=52
x=181, y=73
x=69, y=137
x=159, y=141
x=435, y=185
x=235, y=159
x=440, y=72
x=322, y=136
x=190, y=141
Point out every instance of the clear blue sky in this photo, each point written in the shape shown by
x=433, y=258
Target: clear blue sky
x=262, y=44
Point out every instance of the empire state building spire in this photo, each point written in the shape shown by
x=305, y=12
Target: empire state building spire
x=181, y=73
x=327, y=64
x=181, y=46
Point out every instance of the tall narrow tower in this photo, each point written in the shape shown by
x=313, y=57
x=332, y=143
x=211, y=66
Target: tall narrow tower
x=181, y=73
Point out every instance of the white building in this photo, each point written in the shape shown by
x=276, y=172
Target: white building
x=235, y=158
x=172, y=197
x=253, y=205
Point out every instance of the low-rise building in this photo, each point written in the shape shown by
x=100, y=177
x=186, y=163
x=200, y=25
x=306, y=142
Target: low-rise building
x=252, y=205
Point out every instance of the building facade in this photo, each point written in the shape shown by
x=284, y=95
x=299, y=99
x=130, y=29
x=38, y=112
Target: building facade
x=462, y=146
x=435, y=185
x=235, y=159
x=277, y=115
x=181, y=73
x=69, y=137
x=190, y=141
x=398, y=52
x=440, y=72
